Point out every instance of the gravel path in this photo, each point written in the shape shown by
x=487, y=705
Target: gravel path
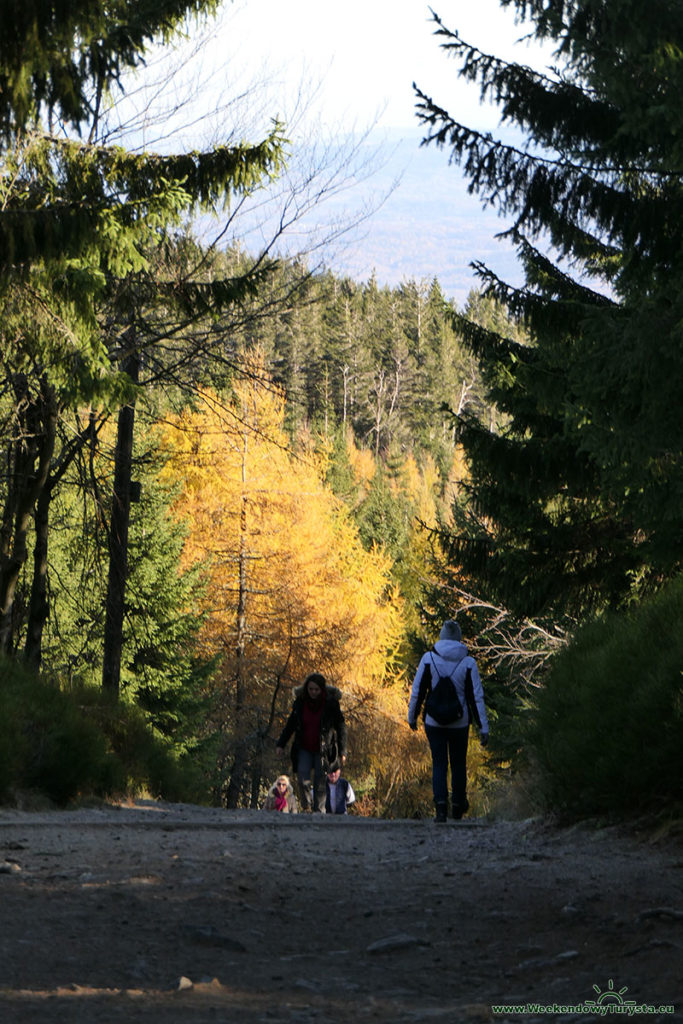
x=170, y=913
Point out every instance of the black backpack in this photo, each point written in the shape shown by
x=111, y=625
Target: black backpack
x=442, y=703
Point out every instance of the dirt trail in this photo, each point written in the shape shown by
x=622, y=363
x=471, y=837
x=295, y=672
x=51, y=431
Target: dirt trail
x=172, y=913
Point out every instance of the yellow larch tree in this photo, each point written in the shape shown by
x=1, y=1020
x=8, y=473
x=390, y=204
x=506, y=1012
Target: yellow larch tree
x=290, y=589
x=363, y=464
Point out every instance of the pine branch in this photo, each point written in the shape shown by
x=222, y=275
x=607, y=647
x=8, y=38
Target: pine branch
x=51, y=54
x=550, y=108
x=545, y=193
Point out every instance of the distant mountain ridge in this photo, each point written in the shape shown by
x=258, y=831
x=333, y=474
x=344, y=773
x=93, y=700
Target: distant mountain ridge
x=429, y=226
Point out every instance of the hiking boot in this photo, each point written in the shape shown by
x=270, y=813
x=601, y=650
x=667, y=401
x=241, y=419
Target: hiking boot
x=441, y=815
x=460, y=809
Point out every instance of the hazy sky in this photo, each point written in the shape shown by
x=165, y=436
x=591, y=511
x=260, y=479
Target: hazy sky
x=366, y=53
x=358, y=59
x=331, y=70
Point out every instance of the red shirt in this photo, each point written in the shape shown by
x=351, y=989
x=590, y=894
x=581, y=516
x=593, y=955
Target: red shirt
x=310, y=733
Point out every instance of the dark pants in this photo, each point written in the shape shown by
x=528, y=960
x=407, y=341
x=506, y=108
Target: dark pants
x=449, y=745
x=312, y=797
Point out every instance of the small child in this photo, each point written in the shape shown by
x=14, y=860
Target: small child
x=340, y=795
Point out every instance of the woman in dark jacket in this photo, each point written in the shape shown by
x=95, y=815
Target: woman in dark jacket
x=319, y=746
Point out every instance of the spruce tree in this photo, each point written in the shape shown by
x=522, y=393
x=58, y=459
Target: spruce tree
x=61, y=59
x=578, y=497
x=81, y=227
x=162, y=671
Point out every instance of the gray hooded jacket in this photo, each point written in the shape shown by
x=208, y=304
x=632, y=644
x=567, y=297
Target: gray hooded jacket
x=450, y=658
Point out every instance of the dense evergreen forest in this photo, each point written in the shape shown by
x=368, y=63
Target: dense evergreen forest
x=347, y=394
x=222, y=468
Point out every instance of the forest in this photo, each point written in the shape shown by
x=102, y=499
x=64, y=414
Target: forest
x=223, y=468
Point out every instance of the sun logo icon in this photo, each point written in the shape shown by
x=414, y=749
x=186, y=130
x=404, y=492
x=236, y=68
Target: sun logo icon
x=612, y=995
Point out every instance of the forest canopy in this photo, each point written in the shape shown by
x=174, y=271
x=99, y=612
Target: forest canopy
x=579, y=496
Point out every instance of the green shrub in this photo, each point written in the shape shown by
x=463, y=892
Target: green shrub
x=147, y=761
x=81, y=743
x=607, y=727
x=46, y=744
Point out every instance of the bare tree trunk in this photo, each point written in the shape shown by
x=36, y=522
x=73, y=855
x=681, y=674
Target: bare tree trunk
x=345, y=376
x=118, y=540
x=38, y=605
x=380, y=391
x=398, y=366
x=327, y=400
x=465, y=389
x=256, y=772
x=37, y=427
x=240, y=758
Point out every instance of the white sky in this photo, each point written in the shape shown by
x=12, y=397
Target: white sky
x=355, y=62
x=333, y=71
x=366, y=53
x=324, y=66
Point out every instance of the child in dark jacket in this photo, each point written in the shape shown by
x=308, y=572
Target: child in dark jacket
x=340, y=794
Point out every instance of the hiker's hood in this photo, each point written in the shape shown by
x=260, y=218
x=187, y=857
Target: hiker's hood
x=452, y=651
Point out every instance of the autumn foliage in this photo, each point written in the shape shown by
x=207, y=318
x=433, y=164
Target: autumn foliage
x=290, y=588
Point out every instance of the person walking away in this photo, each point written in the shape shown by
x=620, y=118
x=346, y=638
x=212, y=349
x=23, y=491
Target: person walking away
x=281, y=797
x=340, y=794
x=448, y=741
x=319, y=746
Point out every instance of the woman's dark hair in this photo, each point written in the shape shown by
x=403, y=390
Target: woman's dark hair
x=315, y=677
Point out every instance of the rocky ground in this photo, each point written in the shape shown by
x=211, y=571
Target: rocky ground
x=169, y=913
